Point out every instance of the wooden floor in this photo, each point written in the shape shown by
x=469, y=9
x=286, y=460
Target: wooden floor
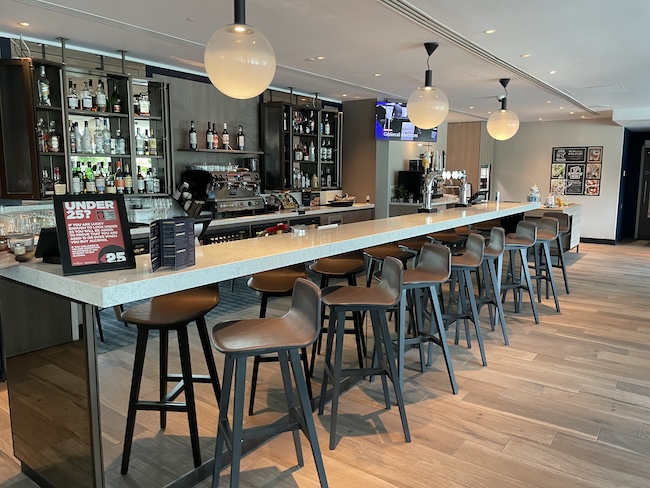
x=567, y=404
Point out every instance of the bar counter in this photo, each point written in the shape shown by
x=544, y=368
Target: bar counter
x=49, y=337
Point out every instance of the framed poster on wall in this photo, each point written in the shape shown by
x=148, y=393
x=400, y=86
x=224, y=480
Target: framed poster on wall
x=576, y=170
x=93, y=233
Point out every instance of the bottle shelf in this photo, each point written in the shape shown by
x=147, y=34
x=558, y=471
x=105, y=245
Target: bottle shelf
x=140, y=195
x=222, y=151
x=93, y=155
x=149, y=157
x=90, y=113
x=146, y=117
x=302, y=134
x=327, y=136
x=48, y=107
x=50, y=153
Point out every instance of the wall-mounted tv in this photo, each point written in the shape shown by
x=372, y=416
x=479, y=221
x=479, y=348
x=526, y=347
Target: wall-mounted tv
x=392, y=124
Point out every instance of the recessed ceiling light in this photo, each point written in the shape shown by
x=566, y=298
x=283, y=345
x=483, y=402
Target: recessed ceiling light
x=571, y=113
x=377, y=74
x=189, y=19
x=561, y=108
x=344, y=95
x=310, y=59
x=489, y=31
x=527, y=55
x=489, y=112
x=303, y=99
x=320, y=58
x=24, y=24
x=552, y=72
x=548, y=101
x=471, y=108
x=583, y=116
x=541, y=118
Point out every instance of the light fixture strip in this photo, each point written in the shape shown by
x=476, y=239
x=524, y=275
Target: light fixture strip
x=504, y=103
x=240, y=12
x=428, y=78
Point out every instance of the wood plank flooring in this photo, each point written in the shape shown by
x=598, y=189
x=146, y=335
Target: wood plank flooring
x=567, y=404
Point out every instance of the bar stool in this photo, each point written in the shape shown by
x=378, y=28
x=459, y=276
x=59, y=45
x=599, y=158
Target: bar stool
x=285, y=336
x=519, y=243
x=547, y=232
x=377, y=254
x=274, y=283
x=376, y=300
x=421, y=284
x=346, y=266
x=563, y=230
x=461, y=267
x=414, y=245
x=172, y=312
x=450, y=239
x=490, y=290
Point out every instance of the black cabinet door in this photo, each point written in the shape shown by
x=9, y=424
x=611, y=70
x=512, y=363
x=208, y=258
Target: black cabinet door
x=18, y=158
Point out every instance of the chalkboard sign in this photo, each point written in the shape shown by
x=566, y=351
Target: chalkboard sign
x=93, y=233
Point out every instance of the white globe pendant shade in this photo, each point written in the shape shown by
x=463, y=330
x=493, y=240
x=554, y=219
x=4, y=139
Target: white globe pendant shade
x=427, y=107
x=239, y=61
x=503, y=124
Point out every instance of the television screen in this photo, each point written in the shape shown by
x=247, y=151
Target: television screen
x=392, y=124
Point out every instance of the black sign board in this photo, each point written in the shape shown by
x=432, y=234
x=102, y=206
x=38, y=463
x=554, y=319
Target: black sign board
x=93, y=233
x=569, y=155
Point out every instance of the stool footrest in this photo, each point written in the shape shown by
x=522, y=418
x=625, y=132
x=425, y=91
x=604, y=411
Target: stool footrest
x=158, y=406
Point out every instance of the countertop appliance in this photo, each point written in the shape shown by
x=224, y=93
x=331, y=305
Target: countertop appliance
x=228, y=191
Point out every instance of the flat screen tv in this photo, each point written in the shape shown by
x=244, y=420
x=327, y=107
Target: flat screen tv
x=392, y=124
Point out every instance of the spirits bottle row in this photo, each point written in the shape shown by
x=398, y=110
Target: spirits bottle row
x=94, y=178
x=94, y=100
x=214, y=140
x=305, y=122
x=302, y=180
x=307, y=152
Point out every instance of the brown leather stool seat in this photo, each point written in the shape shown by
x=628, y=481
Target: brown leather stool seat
x=547, y=232
x=490, y=289
x=376, y=300
x=166, y=313
x=346, y=265
x=420, y=285
x=279, y=283
x=414, y=244
x=564, y=226
x=450, y=239
x=461, y=266
x=378, y=254
x=285, y=336
x=519, y=243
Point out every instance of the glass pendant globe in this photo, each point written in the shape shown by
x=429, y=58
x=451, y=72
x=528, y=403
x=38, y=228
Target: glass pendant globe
x=239, y=61
x=502, y=125
x=427, y=107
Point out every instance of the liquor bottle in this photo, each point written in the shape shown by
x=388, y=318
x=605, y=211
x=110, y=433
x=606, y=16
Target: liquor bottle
x=86, y=140
x=241, y=140
x=110, y=180
x=89, y=180
x=312, y=122
x=73, y=99
x=59, y=185
x=145, y=139
x=155, y=180
x=93, y=96
x=209, y=139
x=86, y=98
x=100, y=97
x=128, y=180
x=139, y=143
x=116, y=100
x=44, y=89
x=143, y=104
x=76, y=180
x=323, y=150
x=312, y=151
x=120, y=143
x=100, y=179
x=285, y=124
x=328, y=181
x=153, y=145
x=148, y=182
x=106, y=137
x=119, y=177
x=225, y=137
x=47, y=185
x=193, y=144
x=215, y=137
x=98, y=137
x=327, y=125
x=41, y=135
x=53, y=138
x=73, y=138
x=140, y=183
x=77, y=135
x=329, y=151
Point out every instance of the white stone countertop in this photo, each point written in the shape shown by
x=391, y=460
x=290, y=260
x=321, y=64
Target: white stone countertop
x=444, y=200
x=224, y=261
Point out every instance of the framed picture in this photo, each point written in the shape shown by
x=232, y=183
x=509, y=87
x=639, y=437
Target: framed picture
x=592, y=187
x=595, y=154
x=93, y=233
x=569, y=155
x=593, y=171
x=558, y=170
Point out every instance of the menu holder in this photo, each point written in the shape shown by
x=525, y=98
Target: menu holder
x=171, y=243
x=93, y=233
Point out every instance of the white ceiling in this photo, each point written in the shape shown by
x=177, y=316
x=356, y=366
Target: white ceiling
x=599, y=48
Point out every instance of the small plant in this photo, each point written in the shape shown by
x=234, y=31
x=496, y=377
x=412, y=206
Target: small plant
x=400, y=193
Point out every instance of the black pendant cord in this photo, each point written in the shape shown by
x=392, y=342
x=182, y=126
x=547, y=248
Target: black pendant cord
x=240, y=12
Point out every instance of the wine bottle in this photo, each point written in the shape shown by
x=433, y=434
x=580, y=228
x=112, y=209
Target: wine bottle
x=209, y=139
x=215, y=137
x=146, y=142
x=86, y=98
x=44, y=89
x=153, y=145
x=100, y=97
x=53, y=138
x=241, y=140
x=128, y=180
x=140, y=184
x=193, y=143
x=119, y=177
x=225, y=137
x=73, y=99
x=116, y=100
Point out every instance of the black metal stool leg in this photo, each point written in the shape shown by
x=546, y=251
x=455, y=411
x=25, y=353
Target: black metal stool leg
x=209, y=358
x=186, y=367
x=223, y=428
x=291, y=403
x=163, y=374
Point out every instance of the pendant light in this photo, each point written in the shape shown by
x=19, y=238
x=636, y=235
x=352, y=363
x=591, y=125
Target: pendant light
x=239, y=59
x=427, y=106
x=504, y=124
